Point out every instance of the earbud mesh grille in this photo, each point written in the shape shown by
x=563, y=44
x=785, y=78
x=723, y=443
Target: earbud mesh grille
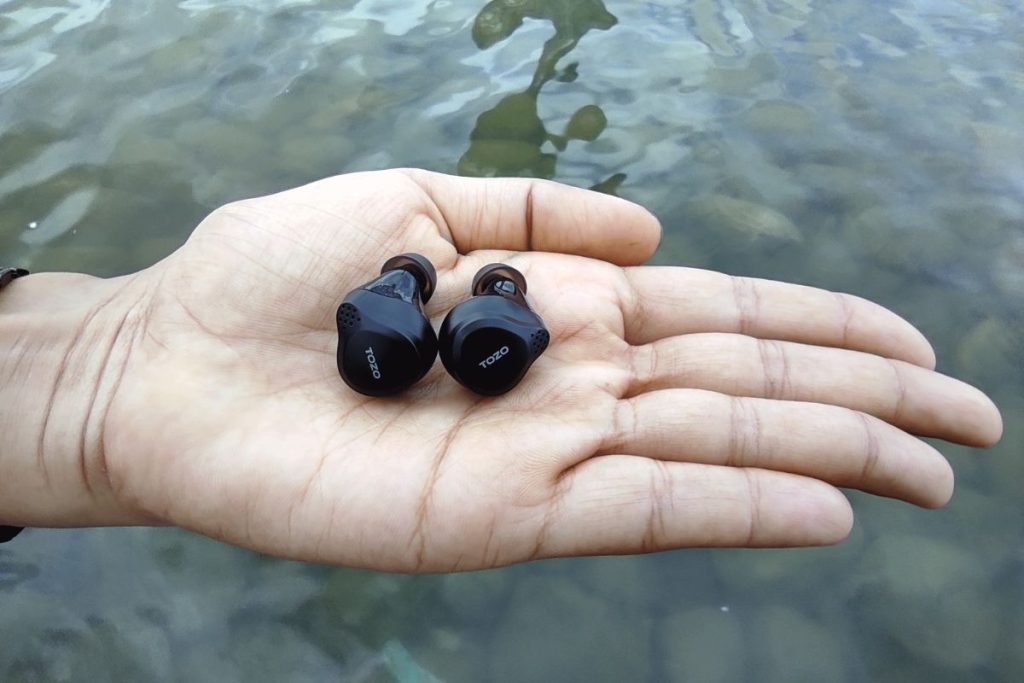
x=348, y=316
x=539, y=341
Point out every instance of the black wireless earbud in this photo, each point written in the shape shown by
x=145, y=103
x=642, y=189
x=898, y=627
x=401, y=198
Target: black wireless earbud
x=385, y=341
x=489, y=342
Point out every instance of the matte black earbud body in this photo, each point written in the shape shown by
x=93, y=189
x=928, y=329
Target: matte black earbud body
x=489, y=342
x=385, y=341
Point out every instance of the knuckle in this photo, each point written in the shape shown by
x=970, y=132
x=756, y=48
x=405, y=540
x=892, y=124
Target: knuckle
x=774, y=367
x=644, y=366
x=747, y=300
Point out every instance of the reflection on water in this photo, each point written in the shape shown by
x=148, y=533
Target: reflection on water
x=866, y=146
x=509, y=138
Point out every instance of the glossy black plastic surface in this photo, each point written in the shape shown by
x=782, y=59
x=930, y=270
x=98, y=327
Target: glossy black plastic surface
x=385, y=341
x=489, y=342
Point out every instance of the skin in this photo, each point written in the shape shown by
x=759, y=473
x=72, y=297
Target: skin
x=674, y=408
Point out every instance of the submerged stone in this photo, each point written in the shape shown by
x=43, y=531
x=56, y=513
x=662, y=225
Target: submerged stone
x=989, y=353
x=624, y=581
x=998, y=145
x=760, y=69
x=843, y=188
x=1008, y=271
x=754, y=571
x=930, y=596
x=788, y=646
x=262, y=651
x=728, y=214
x=452, y=656
x=1007, y=464
x=778, y=116
x=315, y=155
x=553, y=631
x=904, y=236
x=703, y=644
x=476, y=596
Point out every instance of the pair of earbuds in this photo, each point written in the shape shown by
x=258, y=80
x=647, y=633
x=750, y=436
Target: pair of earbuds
x=487, y=343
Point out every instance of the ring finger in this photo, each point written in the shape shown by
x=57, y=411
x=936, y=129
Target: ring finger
x=841, y=446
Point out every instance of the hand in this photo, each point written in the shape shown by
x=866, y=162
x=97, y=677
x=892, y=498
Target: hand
x=674, y=407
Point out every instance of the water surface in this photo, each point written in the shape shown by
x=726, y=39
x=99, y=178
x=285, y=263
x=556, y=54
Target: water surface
x=873, y=147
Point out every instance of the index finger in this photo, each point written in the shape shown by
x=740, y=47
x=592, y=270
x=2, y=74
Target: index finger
x=667, y=301
x=526, y=214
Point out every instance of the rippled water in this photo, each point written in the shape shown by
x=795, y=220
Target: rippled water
x=875, y=147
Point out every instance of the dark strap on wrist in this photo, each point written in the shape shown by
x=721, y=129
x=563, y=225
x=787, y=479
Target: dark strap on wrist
x=6, y=276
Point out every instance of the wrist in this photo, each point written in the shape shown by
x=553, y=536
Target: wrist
x=64, y=342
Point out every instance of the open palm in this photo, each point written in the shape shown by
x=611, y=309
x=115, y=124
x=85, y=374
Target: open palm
x=674, y=407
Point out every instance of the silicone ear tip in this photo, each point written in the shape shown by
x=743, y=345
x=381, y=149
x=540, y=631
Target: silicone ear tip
x=486, y=276
x=420, y=268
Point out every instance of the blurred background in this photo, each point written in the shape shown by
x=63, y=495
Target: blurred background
x=868, y=146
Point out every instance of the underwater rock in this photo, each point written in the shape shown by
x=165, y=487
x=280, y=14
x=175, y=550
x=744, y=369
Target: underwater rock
x=314, y=156
x=723, y=213
x=186, y=57
x=931, y=597
x=452, y=656
x=1009, y=656
x=553, y=631
x=778, y=116
x=787, y=646
x=1008, y=271
x=379, y=607
x=137, y=146
x=1000, y=147
x=403, y=666
x=260, y=651
x=761, y=68
x=840, y=187
x=975, y=507
x=45, y=639
x=753, y=571
x=703, y=644
x=905, y=237
x=476, y=596
x=628, y=582
x=1006, y=465
x=224, y=145
x=917, y=566
x=334, y=114
x=747, y=173
x=989, y=352
x=723, y=33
